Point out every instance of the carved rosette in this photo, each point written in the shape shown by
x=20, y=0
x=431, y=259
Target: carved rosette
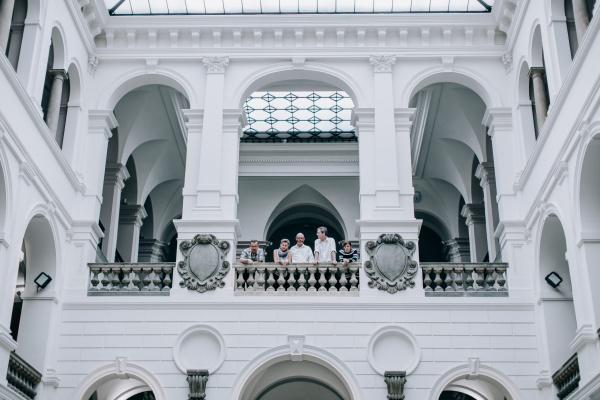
x=391, y=267
x=204, y=266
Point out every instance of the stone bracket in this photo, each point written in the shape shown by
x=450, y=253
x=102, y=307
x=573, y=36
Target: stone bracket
x=197, y=379
x=395, y=381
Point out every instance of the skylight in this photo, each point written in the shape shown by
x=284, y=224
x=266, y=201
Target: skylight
x=299, y=116
x=176, y=7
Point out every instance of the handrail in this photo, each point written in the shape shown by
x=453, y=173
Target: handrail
x=567, y=377
x=464, y=279
x=130, y=279
x=297, y=278
x=22, y=377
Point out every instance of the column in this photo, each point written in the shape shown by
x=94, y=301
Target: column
x=130, y=222
x=475, y=215
x=6, y=12
x=457, y=250
x=487, y=179
x=152, y=250
x=114, y=180
x=539, y=94
x=53, y=112
x=582, y=18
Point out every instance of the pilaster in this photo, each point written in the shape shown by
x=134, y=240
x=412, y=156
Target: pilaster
x=114, y=181
x=457, y=250
x=130, y=222
x=487, y=179
x=475, y=216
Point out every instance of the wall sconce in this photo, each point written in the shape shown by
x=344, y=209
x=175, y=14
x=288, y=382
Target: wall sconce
x=42, y=280
x=553, y=279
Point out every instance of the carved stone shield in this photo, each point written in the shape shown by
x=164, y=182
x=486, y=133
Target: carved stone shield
x=391, y=267
x=204, y=266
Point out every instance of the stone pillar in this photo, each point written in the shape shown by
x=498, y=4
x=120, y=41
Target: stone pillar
x=475, y=215
x=152, y=250
x=457, y=250
x=6, y=13
x=539, y=94
x=130, y=222
x=485, y=173
x=53, y=112
x=582, y=18
x=114, y=181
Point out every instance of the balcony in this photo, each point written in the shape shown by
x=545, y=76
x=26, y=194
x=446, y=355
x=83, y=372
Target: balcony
x=567, y=377
x=22, y=377
x=299, y=279
x=133, y=279
x=468, y=279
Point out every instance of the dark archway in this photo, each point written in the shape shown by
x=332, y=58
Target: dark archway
x=452, y=395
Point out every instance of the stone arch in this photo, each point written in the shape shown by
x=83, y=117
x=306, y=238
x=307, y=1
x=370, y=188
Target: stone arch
x=261, y=363
x=72, y=117
x=117, y=370
x=282, y=72
x=460, y=75
x=304, y=195
x=587, y=187
x=60, y=46
x=5, y=198
x=140, y=77
x=484, y=373
x=536, y=48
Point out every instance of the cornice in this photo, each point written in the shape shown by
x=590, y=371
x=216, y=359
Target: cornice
x=306, y=160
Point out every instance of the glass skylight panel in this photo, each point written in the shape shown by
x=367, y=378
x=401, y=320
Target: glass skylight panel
x=300, y=116
x=161, y=7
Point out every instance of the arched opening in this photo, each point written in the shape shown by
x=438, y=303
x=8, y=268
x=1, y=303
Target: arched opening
x=462, y=383
x=538, y=82
x=299, y=389
x=454, y=395
x=454, y=171
x=123, y=389
x=70, y=111
x=556, y=303
x=15, y=36
x=589, y=214
x=33, y=308
x=145, y=166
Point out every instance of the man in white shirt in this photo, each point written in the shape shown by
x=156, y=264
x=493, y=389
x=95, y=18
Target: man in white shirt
x=301, y=253
x=324, y=247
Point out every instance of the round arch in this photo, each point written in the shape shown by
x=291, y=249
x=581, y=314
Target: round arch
x=434, y=223
x=140, y=77
x=586, y=187
x=536, y=45
x=5, y=198
x=460, y=75
x=485, y=373
x=282, y=72
x=283, y=353
x=60, y=46
x=116, y=370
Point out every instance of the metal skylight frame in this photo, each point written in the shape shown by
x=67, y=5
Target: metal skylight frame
x=237, y=7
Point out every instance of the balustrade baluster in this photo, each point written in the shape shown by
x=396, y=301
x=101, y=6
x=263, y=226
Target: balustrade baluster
x=146, y=281
x=427, y=279
x=470, y=271
x=156, y=281
x=105, y=280
x=136, y=279
x=115, y=281
x=333, y=279
x=449, y=280
x=281, y=279
x=291, y=279
x=480, y=278
x=250, y=284
x=301, y=280
x=322, y=280
x=167, y=281
x=438, y=279
x=353, y=279
x=240, y=279
x=458, y=280
x=501, y=280
x=261, y=278
x=126, y=279
x=343, y=279
x=95, y=280
x=312, y=281
x=490, y=280
x=270, y=280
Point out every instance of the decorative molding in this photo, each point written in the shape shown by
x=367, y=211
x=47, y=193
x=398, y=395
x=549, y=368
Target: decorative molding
x=395, y=381
x=584, y=335
x=507, y=61
x=121, y=367
x=206, y=270
x=151, y=65
x=197, y=379
x=50, y=378
x=7, y=341
x=299, y=160
x=391, y=267
x=197, y=330
x=215, y=65
x=93, y=63
x=448, y=63
x=473, y=365
x=296, y=344
x=382, y=63
x=408, y=362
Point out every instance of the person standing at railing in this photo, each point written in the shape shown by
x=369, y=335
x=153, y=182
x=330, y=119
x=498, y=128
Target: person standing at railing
x=252, y=254
x=324, y=247
x=282, y=255
x=301, y=253
x=347, y=254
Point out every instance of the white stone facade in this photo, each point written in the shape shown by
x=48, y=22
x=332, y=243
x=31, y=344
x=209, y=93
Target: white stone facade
x=443, y=107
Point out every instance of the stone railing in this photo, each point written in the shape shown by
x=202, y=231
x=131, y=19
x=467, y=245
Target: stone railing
x=567, y=377
x=136, y=279
x=464, y=279
x=22, y=377
x=297, y=278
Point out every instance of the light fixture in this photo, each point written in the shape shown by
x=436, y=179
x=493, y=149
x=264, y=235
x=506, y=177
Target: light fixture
x=417, y=197
x=42, y=280
x=553, y=279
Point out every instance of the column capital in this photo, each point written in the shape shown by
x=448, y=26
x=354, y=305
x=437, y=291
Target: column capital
x=234, y=120
x=102, y=121
x=395, y=381
x=59, y=74
x=457, y=250
x=486, y=173
x=215, y=65
x=535, y=72
x=474, y=213
x=363, y=118
x=132, y=214
x=403, y=117
x=116, y=173
x=194, y=119
x=382, y=63
x=197, y=379
x=497, y=119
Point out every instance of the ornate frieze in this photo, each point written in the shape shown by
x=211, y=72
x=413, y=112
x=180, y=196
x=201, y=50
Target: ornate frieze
x=215, y=65
x=382, y=63
x=391, y=267
x=204, y=266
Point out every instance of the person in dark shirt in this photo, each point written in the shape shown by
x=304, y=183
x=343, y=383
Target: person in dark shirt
x=347, y=254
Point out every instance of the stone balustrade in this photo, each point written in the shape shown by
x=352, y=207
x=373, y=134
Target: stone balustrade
x=567, y=377
x=465, y=279
x=22, y=377
x=274, y=278
x=133, y=279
